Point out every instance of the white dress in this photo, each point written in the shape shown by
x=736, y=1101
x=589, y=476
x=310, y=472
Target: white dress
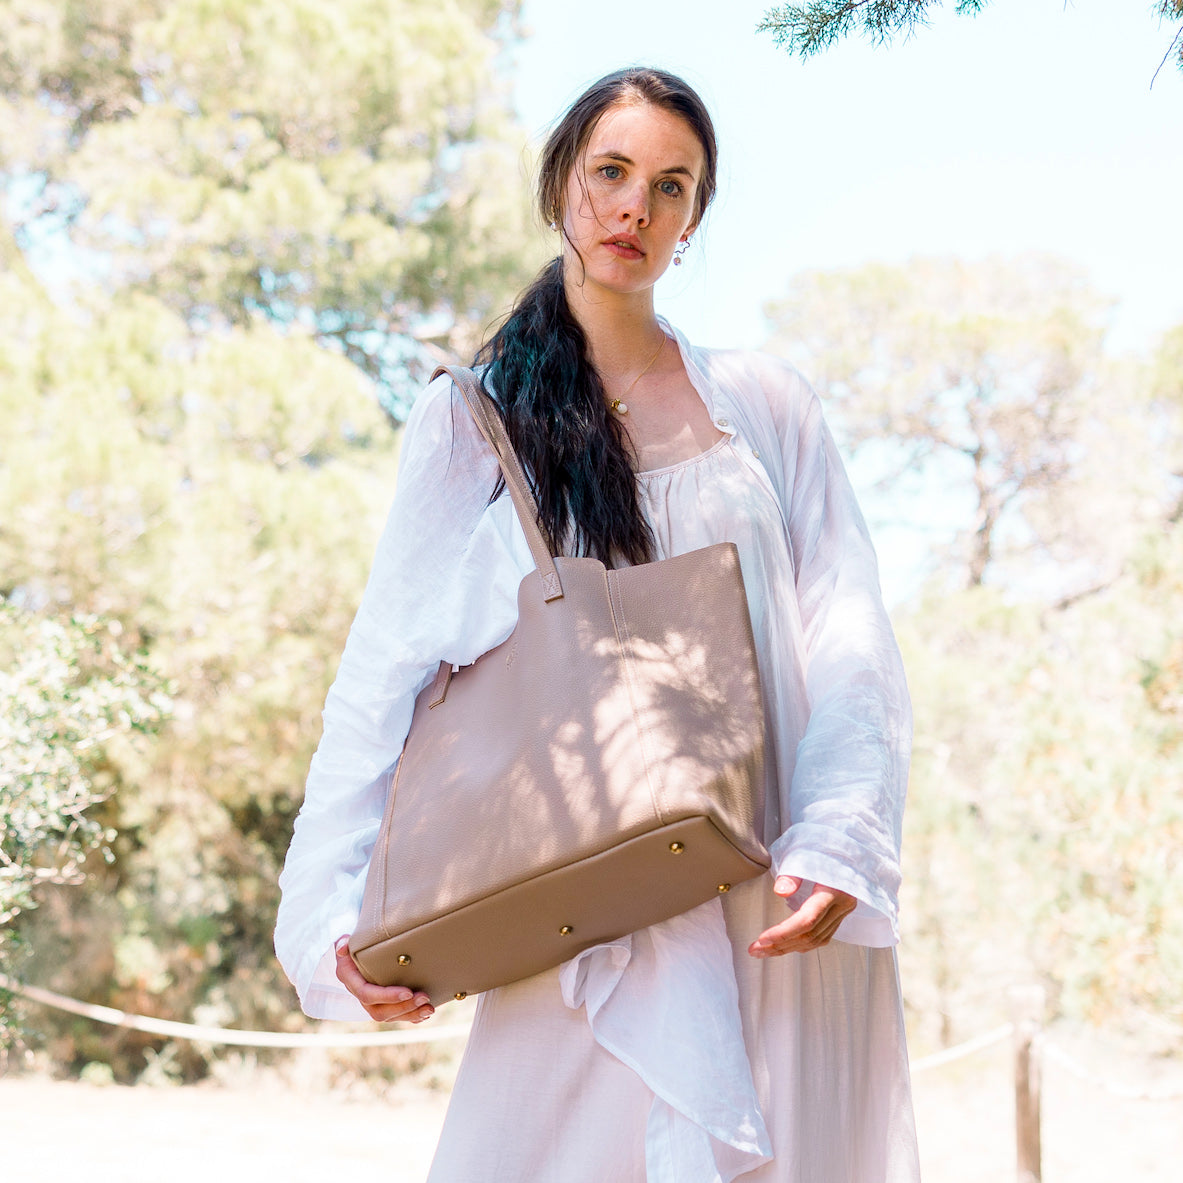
x=671, y=1056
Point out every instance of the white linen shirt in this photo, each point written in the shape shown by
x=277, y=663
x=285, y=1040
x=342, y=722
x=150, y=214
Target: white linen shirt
x=444, y=587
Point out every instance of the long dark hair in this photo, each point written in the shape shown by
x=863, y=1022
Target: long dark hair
x=539, y=373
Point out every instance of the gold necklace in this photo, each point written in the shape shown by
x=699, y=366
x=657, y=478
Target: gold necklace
x=618, y=404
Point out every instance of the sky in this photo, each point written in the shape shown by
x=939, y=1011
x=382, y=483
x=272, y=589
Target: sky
x=1032, y=126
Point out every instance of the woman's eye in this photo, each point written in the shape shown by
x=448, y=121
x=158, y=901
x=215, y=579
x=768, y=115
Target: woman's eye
x=670, y=188
x=610, y=172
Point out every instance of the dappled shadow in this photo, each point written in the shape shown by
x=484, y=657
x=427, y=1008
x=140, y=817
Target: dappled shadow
x=671, y=732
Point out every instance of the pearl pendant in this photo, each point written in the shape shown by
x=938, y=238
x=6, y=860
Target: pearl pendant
x=621, y=408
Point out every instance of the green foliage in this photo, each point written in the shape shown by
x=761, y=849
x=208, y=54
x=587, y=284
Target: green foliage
x=1044, y=836
x=1171, y=10
x=1165, y=396
x=68, y=691
x=990, y=373
x=219, y=498
x=269, y=218
x=350, y=170
x=807, y=29
x=71, y=699
x=1044, y=831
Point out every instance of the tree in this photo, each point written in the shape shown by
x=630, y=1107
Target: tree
x=238, y=227
x=218, y=498
x=349, y=170
x=809, y=28
x=70, y=698
x=1166, y=404
x=1044, y=835
x=983, y=377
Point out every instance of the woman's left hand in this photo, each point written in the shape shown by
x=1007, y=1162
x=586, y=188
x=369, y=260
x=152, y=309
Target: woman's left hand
x=810, y=927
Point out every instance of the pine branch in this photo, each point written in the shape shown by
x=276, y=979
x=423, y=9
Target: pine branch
x=806, y=29
x=1170, y=10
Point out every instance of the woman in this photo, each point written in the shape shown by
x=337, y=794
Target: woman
x=745, y=1038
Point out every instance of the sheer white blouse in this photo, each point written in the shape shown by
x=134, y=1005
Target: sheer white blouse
x=754, y=1039
x=444, y=587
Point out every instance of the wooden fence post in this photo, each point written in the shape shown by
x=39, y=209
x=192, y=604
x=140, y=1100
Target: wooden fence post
x=1027, y=1005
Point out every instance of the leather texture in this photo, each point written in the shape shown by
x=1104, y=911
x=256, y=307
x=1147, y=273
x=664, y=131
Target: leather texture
x=599, y=771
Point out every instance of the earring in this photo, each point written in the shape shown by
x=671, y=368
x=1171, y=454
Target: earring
x=553, y=220
x=680, y=252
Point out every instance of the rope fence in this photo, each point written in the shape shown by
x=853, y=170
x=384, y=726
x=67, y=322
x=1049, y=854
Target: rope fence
x=226, y=1036
x=1053, y=1052
x=229, y=1036
x=961, y=1050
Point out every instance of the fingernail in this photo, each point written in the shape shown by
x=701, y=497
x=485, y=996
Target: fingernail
x=783, y=883
x=403, y=995
x=341, y=943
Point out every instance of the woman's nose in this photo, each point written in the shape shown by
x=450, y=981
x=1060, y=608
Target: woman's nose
x=636, y=204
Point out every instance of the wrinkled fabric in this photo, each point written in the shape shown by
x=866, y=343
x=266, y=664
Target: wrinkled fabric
x=444, y=586
x=539, y=1100
x=701, y=1125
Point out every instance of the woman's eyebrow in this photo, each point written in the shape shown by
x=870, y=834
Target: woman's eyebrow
x=622, y=159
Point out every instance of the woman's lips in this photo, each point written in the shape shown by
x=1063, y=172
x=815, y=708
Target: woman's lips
x=624, y=249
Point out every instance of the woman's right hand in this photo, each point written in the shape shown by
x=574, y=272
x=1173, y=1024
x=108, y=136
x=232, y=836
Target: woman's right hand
x=384, y=1004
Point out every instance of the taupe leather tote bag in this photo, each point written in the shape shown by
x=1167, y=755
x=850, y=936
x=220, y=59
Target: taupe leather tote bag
x=598, y=771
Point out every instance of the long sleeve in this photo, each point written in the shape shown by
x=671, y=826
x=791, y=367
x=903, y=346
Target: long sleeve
x=850, y=774
x=443, y=587
x=844, y=780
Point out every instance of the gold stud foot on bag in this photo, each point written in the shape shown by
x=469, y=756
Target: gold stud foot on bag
x=724, y=887
x=566, y=930
x=676, y=848
x=404, y=959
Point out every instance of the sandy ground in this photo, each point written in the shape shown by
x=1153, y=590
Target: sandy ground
x=287, y=1125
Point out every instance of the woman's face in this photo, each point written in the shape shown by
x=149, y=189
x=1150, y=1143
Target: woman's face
x=630, y=199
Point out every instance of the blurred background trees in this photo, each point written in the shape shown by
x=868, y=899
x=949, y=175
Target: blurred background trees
x=350, y=171
x=236, y=234
x=70, y=698
x=1044, y=832
x=990, y=380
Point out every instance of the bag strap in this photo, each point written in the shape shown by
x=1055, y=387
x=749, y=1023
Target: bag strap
x=488, y=420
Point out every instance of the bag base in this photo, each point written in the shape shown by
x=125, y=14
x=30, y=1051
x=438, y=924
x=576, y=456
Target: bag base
x=544, y=921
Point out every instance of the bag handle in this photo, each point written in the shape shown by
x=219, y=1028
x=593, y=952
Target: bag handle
x=488, y=420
